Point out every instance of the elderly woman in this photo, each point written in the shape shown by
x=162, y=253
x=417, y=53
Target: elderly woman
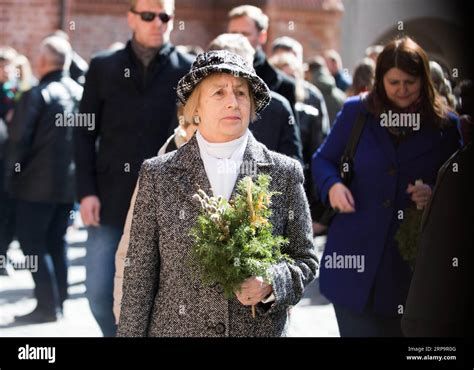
x=162, y=293
x=363, y=272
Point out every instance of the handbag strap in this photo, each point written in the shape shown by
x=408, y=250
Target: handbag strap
x=346, y=161
x=356, y=132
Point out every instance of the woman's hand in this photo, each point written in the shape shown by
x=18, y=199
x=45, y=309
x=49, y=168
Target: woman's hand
x=341, y=198
x=420, y=194
x=253, y=290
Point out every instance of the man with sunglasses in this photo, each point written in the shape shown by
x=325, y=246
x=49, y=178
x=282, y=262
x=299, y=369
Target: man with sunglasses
x=130, y=95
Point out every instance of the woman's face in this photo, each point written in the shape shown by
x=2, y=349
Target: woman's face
x=224, y=107
x=402, y=89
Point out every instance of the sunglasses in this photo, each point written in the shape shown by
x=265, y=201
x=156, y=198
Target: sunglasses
x=150, y=16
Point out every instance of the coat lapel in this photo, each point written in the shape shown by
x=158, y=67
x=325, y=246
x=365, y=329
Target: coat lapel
x=189, y=167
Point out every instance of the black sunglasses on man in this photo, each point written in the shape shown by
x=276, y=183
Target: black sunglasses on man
x=150, y=16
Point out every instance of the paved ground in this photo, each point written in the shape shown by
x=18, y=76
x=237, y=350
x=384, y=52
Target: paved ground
x=312, y=317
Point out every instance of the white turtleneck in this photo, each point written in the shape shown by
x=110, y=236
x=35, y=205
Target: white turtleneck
x=222, y=162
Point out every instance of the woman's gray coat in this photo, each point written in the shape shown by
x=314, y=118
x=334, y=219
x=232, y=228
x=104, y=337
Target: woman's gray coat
x=162, y=293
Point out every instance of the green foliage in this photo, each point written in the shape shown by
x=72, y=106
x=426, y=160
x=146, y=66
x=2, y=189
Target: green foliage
x=408, y=235
x=234, y=239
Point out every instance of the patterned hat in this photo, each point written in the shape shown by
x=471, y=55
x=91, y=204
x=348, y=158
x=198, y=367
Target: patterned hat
x=223, y=61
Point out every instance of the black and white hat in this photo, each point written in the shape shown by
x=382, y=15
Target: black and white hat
x=223, y=61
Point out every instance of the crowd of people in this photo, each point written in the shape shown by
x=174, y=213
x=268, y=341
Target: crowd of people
x=192, y=114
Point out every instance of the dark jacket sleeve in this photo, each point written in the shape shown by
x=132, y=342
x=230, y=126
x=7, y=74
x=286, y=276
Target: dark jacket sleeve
x=289, y=279
x=22, y=129
x=290, y=138
x=85, y=139
x=141, y=274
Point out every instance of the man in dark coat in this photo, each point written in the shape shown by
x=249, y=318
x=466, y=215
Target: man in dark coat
x=131, y=94
x=40, y=174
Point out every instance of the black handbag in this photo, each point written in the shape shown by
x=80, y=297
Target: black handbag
x=346, y=170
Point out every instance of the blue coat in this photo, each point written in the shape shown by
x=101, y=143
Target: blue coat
x=382, y=173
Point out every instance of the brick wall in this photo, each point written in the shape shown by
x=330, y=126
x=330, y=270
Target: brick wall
x=95, y=24
x=23, y=23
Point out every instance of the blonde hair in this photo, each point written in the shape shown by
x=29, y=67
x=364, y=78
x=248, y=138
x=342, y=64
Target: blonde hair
x=192, y=104
x=168, y=5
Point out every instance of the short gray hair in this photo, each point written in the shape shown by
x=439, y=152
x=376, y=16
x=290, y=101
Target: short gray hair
x=236, y=43
x=289, y=44
x=254, y=13
x=57, y=50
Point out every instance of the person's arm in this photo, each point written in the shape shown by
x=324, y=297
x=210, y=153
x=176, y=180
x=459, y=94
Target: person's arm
x=120, y=257
x=141, y=274
x=325, y=162
x=22, y=129
x=84, y=138
x=290, y=279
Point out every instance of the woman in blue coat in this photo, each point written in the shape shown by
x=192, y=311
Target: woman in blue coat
x=408, y=134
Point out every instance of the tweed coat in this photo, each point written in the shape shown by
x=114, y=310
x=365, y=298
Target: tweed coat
x=162, y=292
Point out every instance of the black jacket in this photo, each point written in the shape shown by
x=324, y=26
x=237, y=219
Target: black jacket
x=135, y=114
x=39, y=163
x=277, y=81
x=440, y=301
x=276, y=128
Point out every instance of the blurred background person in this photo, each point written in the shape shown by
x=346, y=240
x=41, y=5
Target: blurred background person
x=25, y=77
x=319, y=75
x=465, y=109
x=8, y=92
x=286, y=44
x=363, y=78
x=79, y=66
x=373, y=51
x=40, y=174
x=334, y=64
x=442, y=84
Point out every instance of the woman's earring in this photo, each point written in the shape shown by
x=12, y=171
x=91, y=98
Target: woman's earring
x=196, y=120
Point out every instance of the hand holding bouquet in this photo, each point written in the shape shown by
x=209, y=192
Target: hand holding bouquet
x=234, y=240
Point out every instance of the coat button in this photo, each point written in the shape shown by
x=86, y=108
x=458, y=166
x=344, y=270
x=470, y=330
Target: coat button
x=387, y=203
x=220, y=328
x=392, y=171
x=219, y=288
